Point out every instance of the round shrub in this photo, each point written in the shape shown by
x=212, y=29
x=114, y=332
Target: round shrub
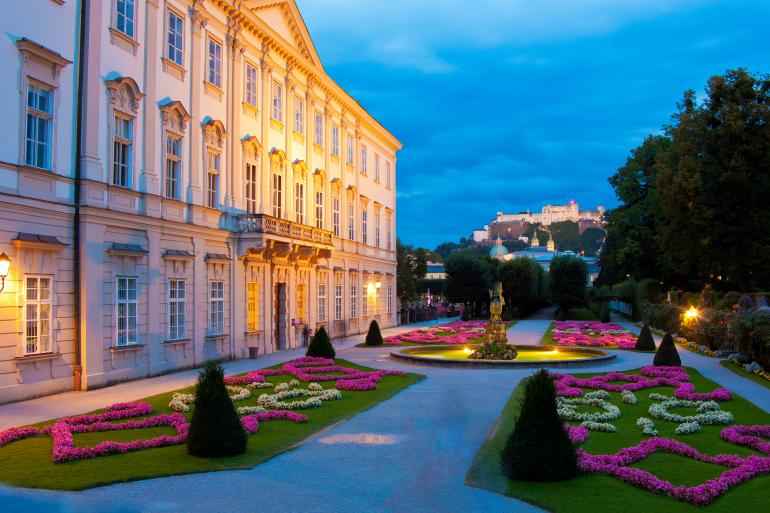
x=645, y=341
x=538, y=448
x=320, y=345
x=667, y=353
x=373, y=336
x=215, y=429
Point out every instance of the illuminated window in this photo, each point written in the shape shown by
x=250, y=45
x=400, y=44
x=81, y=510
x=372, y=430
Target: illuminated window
x=38, y=305
x=252, y=306
x=321, y=302
x=217, y=308
x=176, y=309
x=126, y=311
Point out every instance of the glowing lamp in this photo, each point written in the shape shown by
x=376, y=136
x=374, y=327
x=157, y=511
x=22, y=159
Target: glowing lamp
x=5, y=263
x=691, y=314
x=378, y=284
x=370, y=289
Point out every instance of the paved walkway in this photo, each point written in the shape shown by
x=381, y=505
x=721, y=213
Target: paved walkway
x=430, y=433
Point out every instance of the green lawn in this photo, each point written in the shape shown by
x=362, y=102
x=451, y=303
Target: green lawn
x=28, y=462
x=739, y=370
x=597, y=493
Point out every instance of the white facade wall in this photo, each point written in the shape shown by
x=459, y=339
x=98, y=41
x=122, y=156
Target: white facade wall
x=134, y=231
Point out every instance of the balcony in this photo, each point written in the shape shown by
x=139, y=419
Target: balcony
x=263, y=223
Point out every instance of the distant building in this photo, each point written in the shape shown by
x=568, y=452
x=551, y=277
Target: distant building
x=436, y=271
x=515, y=226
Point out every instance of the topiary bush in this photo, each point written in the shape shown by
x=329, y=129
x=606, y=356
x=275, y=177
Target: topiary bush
x=373, y=336
x=561, y=314
x=215, y=429
x=667, y=353
x=604, y=313
x=320, y=345
x=645, y=342
x=538, y=448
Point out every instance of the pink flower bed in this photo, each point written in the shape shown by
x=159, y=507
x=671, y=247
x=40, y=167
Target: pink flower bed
x=453, y=333
x=592, y=334
x=311, y=368
x=251, y=422
x=618, y=465
x=651, y=377
x=748, y=436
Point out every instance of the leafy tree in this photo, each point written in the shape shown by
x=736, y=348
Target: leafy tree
x=568, y=276
x=215, y=429
x=538, y=448
x=320, y=345
x=467, y=280
x=411, y=266
x=520, y=281
x=566, y=236
x=591, y=240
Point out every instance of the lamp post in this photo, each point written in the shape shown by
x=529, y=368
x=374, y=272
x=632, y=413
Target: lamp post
x=5, y=263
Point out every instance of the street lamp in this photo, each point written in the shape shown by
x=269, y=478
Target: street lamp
x=5, y=263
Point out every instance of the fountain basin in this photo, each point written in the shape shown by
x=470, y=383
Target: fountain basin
x=529, y=356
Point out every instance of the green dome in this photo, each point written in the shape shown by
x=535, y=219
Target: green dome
x=498, y=250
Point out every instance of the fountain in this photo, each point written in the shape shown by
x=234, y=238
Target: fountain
x=496, y=352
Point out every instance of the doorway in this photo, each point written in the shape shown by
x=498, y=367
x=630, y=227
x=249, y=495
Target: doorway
x=281, y=316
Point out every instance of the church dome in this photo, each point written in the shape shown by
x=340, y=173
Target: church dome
x=498, y=250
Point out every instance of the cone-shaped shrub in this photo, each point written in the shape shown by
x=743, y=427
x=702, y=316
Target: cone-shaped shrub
x=538, y=448
x=215, y=429
x=667, y=353
x=373, y=336
x=561, y=314
x=604, y=313
x=320, y=345
x=645, y=341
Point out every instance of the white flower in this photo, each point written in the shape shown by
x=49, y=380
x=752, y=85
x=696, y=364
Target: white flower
x=238, y=393
x=628, y=397
x=259, y=384
x=647, y=426
x=598, y=426
x=597, y=394
x=180, y=401
x=566, y=410
x=687, y=428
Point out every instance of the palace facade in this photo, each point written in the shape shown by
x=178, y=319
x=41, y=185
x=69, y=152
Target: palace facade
x=180, y=181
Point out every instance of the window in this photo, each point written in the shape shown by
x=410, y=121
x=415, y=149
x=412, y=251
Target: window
x=252, y=306
x=350, y=149
x=173, y=167
x=363, y=159
x=376, y=168
x=38, y=317
x=277, y=195
x=319, y=129
x=377, y=229
x=351, y=221
x=321, y=302
x=364, y=302
x=251, y=187
x=125, y=16
x=212, y=189
x=390, y=299
x=176, y=309
x=336, y=216
x=301, y=301
x=251, y=85
x=335, y=140
x=377, y=300
x=299, y=115
x=217, y=308
x=353, y=301
x=364, y=221
x=338, y=303
x=40, y=111
x=387, y=175
x=299, y=202
x=389, y=231
x=122, y=151
x=126, y=304
x=175, y=48
x=277, y=101
x=215, y=63
x=319, y=209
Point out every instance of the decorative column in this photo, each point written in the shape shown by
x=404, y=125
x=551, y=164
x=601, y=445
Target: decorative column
x=287, y=130
x=309, y=141
x=198, y=23
x=233, y=194
x=91, y=164
x=264, y=161
x=357, y=167
x=328, y=200
x=149, y=182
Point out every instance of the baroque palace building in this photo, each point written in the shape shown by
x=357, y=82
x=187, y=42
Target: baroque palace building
x=180, y=181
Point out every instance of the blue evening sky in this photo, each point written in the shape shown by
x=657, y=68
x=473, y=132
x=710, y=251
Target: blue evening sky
x=506, y=105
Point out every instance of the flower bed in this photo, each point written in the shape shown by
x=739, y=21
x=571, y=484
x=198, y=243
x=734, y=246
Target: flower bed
x=592, y=334
x=453, y=333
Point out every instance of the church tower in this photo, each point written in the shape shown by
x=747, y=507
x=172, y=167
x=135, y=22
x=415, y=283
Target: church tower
x=535, y=240
x=550, y=246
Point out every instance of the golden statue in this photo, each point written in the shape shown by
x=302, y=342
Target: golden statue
x=496, y=303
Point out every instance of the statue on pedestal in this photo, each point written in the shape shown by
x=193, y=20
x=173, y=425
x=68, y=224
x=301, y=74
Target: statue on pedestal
x=496, y=346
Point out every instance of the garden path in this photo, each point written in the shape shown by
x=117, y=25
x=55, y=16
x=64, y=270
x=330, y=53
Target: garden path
x=427, y=437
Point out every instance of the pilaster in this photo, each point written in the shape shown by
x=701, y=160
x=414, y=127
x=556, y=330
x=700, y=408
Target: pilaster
x=198, y=22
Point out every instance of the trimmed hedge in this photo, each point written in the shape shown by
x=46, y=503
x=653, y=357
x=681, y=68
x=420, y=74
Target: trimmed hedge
x=215, y=428
x=667, y=353
x=320, y=345
x=645, y=342
x=373, y=336
x=538, y=448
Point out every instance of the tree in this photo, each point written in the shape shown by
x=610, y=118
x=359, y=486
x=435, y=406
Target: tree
x=591, y=240
x=645, y=341
x=520, y=281
x=411, y=266
x=538, y=448
x=566, y=236
x=320, y=345
x=467, y=280
x=568, y=281
x=373, y=336
x=215, y=429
